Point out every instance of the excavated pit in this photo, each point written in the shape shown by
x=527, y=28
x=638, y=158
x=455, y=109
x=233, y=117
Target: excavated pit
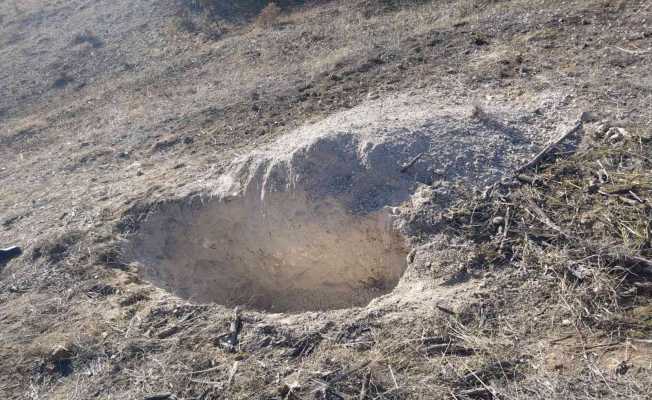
x=287, y=254
x=308, y=222
x=306, y=228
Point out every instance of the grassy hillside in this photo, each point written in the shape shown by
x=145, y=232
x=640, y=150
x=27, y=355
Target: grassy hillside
x=538, y=286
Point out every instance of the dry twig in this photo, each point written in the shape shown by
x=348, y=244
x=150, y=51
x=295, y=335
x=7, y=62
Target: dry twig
x=550, y=148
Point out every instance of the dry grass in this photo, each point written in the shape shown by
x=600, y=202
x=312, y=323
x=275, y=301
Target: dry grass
x=558, y=320
x=578, y=228
x=563, y=315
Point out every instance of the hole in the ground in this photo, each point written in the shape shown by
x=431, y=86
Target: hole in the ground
x=302, y=224
x=286, y=254
x=300, y=227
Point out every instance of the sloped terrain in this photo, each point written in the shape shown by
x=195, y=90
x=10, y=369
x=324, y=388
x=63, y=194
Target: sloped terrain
x=352, y=167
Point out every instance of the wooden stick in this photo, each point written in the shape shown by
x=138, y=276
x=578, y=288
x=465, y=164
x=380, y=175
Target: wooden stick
x=448, y=348
x=365, y=384
x=637, y=260
x=549, y=148
x=634, y=52
x=337, y=376
x=474, y=392
x=158, y=396
x=561, y=339
x=231, y=342
x=391, y=372
x=203, y=382
x=545, y=219
x=504, y=238
x=203, y=371
x=445, y=310
x=234, y=370
x=407, y=166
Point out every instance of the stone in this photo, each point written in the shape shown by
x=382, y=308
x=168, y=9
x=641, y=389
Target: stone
x=600, y=130
x=9, y=254
x=588, y=116
x=59, y=353
x=615, y=135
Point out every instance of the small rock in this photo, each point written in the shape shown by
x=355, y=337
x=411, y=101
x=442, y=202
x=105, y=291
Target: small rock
x=373, y=96
x=283, y=390
x=566, y=322
x=498, y=221
x=601, y=130
x=588, y=116
x=9, y=253
x=15, y=289
x=60, y=353
x=622, y=368
x=394, y=210
x=615, y=135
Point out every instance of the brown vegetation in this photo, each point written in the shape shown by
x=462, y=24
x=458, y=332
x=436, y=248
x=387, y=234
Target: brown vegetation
x=101, y=117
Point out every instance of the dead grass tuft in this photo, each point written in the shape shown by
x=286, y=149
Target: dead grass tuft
x=57, y=249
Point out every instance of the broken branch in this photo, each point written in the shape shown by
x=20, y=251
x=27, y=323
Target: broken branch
x=232, y=373
x=365, y=384
x=545, y=219
x=410, y=163
x=550, y=148
x=232, y=340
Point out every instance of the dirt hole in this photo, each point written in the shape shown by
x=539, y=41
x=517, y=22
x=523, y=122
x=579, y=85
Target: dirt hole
x=286, y=254
x=304, y=225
